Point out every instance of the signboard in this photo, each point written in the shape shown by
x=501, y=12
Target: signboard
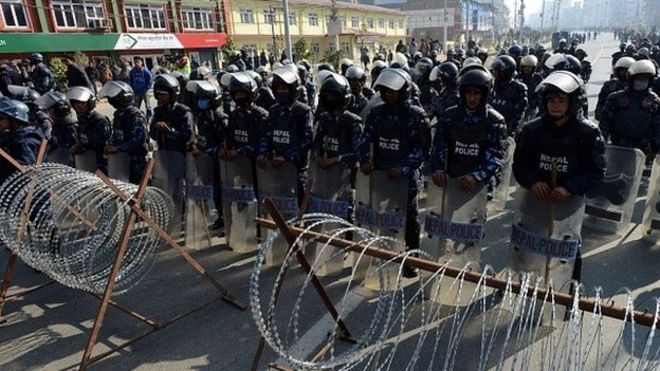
x=66, y=42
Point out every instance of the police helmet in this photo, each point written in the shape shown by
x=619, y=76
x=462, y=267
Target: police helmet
x=119, y=94
x=305, y=63
x=581, y=53
x=376, y=68
x=562, y=43
x=345, y=63
x=232, y=68
x=243, y=81
x=469, y=61
x=82, y=94
x=336, y=84
x=644, y=52
x=556, y=61
x=624, y=63
x=14, y=109
x=515, y=51
x=277, y=65
x=320, y=76
x=24, y=94
x=203, y=89
x=526, y=50
x=562, y=83
x=482, y=52
x=424, y=66
x=572, y=65
x=478, y=78
x=180, y=77
x=302, y=69
x=505, y=66
x=622, y=46
x=394, y=79
x=36, y=58
x=285, y=76
x=644, y=67
x=355, y=73
x=256, y=77
x=168, y=84
x=655, y=49
x=529, y=61
x=57, y=100
x=401, y=59
x=630, y=48
x=447, y=72
x=325, y=66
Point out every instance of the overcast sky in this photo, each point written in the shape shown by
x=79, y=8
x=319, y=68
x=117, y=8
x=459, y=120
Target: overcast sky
x=531, y=6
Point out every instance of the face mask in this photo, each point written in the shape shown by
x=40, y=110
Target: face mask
x=640, y=85
x=282, y=97
x=242, y=102
x=203, y=104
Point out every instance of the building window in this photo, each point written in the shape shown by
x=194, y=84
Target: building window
x=370, y=22
x=346, y=48
x=316, y=48
x=197, y=19
x=145, y=17
x=355, y=22
x=342, y=20
x=269, y=16
x=381, y=23
x=313, y=19
x=292, y=19
x=401, y=23
x=13, y=13
x=76, y=14
x=392, y=24
x=247, y=16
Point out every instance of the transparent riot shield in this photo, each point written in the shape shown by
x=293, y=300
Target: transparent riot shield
x=545, y=238
x=86, y=161
x=501, y=192
x=454, y=227
x=199, y=200
x=381, y=206
x=610, y=205
x=119, y=166
x=169, y=175
x=280, y=185
x=651, y=221
x=239, y=204
x=61, y=156
x=331, y=195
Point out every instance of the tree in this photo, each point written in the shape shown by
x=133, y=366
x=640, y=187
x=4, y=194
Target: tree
x=58, y=68
x=333, y=57
x=301, y=50
x=229, y=47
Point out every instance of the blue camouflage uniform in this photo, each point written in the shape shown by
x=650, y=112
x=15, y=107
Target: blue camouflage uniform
x=94, y=134
x=289, y=135
x=403, y=123
x=180, y=121
x=130, y=136
x=210, y=126
x=22, y=144
x=459, y=133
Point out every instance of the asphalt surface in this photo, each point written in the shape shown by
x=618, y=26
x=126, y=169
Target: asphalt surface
x=48, y=329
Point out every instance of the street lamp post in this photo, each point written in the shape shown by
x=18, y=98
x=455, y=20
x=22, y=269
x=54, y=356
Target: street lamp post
x=287, y=32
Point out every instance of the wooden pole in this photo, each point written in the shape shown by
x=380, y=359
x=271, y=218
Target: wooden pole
x=585, y=304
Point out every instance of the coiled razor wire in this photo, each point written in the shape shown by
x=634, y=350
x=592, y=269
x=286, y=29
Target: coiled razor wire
x=407, y=331
x=74, y=226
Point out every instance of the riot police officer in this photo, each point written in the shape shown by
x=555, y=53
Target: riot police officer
x=581, y=54
x=172, y=124
x=94, y=130
x=447, y=73
x=470, y=138
x=376, y=68
x=129, y=128
x=515, y=52
x=619, y=54
x=42, y=77
x=265, y=98
x=618, y=82
x=530, y=78
x=561, y=138
x=246, y=124
x=562, y=49
x=423, y=70
x=290, y=127
x=631, y=117
x=338, y=130
x=509, y=97
x=396, y=120
x=65, y=124
x=361, y=94
x=210, y=122
x=37, y=115
x=20, y=138
x=307, y=84
x=345, y=65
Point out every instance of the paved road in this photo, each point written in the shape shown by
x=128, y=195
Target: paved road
x=48, y=329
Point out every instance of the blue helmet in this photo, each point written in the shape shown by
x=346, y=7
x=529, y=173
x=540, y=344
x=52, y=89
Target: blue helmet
x=14, y=109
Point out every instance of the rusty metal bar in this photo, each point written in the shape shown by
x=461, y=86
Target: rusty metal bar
x=226, y=296
x=123, y=246
x=585, y=304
